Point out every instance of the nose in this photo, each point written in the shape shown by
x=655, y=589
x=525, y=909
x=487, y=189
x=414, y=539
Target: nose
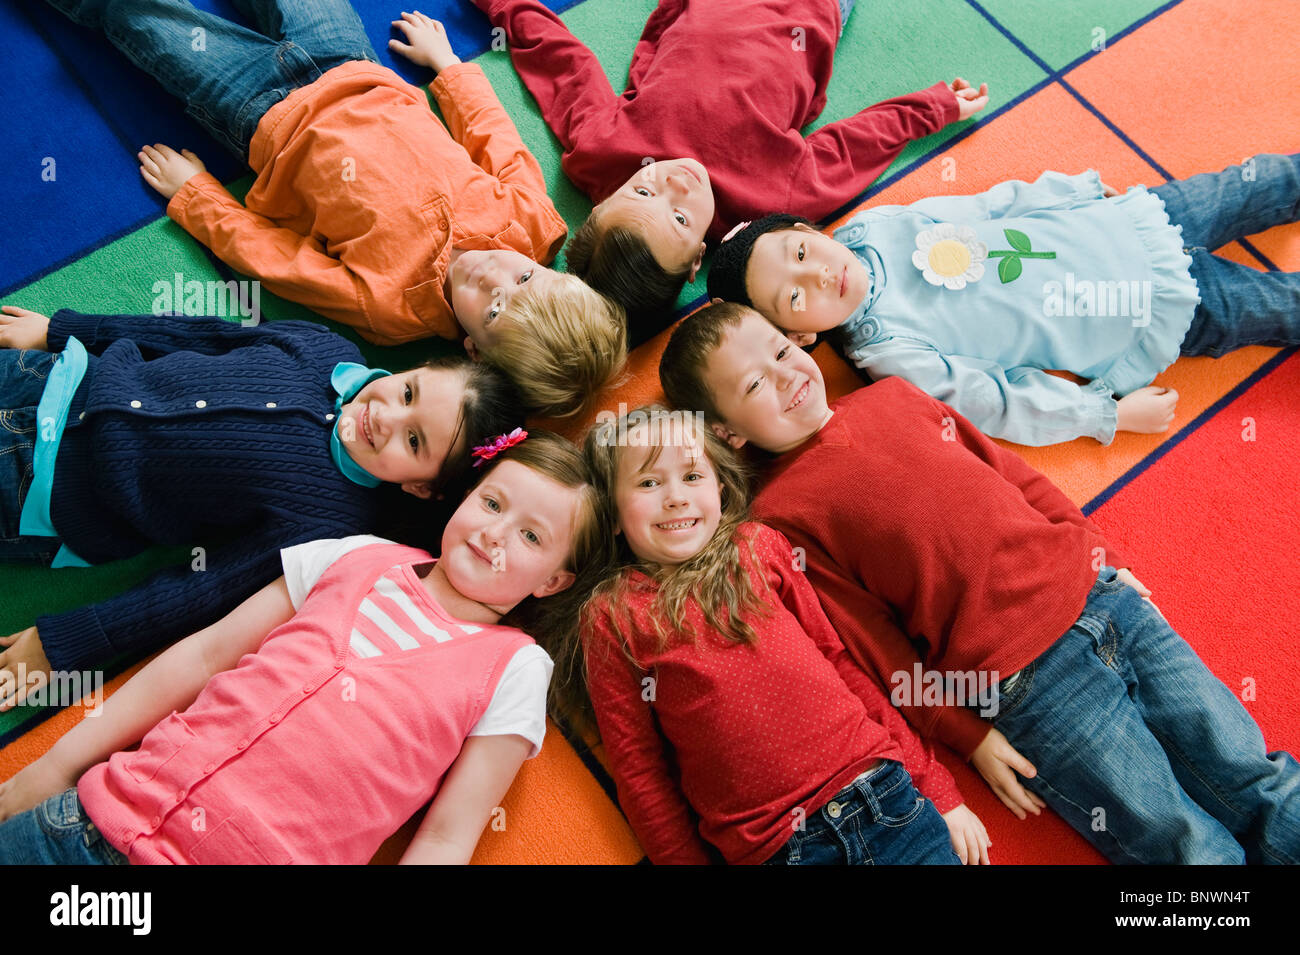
x=679, y=182
x=824, y=276
x=674, y=495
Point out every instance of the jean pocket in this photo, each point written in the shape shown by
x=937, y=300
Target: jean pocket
x=1013, y=691
x=61, y=814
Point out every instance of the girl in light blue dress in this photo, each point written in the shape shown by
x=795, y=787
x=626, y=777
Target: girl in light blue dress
x=973, y=298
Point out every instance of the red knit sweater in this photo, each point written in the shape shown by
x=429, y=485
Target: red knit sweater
x=927, y=541
x=730, y=84
x=710, y=740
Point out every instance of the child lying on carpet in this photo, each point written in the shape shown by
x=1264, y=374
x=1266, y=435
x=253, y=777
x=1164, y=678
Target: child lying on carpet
x=151, y=429
x=731, y=713
x=1110, y=287
x=930, y=545
x=731, y=84
x=365, y=207
x=325, y=710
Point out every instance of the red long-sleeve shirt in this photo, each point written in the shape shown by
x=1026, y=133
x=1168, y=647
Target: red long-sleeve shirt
x=741, y=738
x=730, y=84
x=926, y=541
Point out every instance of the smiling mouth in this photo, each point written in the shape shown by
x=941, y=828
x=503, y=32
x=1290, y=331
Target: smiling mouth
x=683, y=524
x=365, y=426
x=844, y=281
x=799, y=396
x=692, y=173
x=479, y=553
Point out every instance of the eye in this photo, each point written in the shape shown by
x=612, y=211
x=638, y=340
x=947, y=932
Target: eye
x=694, y=476
x=525, y=277
x=794, y=299
x=531, y=537
x=782, y=353
x=642, y=191
x=681, y=219
x=414, y=441
x=491, y=503
x=647, y=482
x=800, y=253
x=493, y=312
x=754, y=384
x=408, y=394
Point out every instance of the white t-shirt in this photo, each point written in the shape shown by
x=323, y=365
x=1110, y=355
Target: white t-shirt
x=518, y=705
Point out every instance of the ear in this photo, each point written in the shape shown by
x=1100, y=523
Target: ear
x=471, y=349
x=695, y=266
x=802, y=339
x=727, y=435
x=421, y=489
x=560, y=580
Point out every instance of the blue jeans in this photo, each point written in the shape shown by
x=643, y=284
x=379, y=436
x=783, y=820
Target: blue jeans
x=1239, y=305
x=22, y=380
x=846, y=7
x=57, y=832
x=227, y=75
x=1141, y=749
x=878, y=819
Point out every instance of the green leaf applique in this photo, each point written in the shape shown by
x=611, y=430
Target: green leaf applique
x=1011, y=266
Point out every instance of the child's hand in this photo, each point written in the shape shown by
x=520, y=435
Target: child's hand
x=428, y=44
x=1108, y=192
x=1148, y=410
x=31, y=786
x=969, y=840
x=969, y=100
x=20, y=328
x=998, y=762
x=23, y=657
x=166, y=169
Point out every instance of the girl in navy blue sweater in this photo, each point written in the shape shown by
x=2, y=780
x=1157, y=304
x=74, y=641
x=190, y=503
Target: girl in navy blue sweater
x=120, y=432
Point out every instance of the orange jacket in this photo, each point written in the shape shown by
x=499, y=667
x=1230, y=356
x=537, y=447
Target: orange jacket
x=361, y=193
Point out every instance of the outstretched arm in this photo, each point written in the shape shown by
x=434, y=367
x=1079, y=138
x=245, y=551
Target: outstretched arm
x=563, y=75
x=843, y=158
x=169, y=683
x=1025, y=405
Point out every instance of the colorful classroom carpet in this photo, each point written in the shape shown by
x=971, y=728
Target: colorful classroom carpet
x=1141, y=91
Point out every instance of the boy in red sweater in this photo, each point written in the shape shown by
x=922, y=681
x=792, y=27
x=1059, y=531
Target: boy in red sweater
x=934, y=549
x=731, y=84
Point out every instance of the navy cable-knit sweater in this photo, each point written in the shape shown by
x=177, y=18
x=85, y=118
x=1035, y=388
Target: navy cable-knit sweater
x=184, y=430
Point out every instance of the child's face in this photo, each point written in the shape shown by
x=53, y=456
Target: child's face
x=667, y=496
x=670, y=204
x=511, y=537
x=399, y=428
x=482, y=283
x=767, y=390
x=804, y=281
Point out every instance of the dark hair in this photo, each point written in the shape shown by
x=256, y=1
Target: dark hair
x=686, y=357
x=491, y=406
x=731, y=258
x=617, y=262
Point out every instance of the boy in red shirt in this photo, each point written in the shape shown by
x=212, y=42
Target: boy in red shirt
x=730, y=84
x=934, y=549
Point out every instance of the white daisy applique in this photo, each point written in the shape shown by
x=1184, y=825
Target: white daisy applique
x=950, y=255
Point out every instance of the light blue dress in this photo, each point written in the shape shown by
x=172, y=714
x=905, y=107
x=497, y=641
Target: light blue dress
x=1058, y=278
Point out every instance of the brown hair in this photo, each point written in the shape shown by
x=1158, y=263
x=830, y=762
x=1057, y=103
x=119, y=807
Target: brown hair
x=617, y=262
x=552, y=621
x=713, y=577
x=560, y=348
x=686, y=357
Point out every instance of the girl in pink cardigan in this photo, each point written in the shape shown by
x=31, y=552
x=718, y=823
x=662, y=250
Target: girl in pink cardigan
x=328, y=708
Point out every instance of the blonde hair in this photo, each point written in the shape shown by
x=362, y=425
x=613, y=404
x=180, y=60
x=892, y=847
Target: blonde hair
x=560, y=347
x=713, y=577
x=552, y=621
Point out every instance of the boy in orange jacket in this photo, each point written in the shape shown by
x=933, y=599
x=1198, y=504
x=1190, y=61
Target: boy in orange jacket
x=365, y=208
